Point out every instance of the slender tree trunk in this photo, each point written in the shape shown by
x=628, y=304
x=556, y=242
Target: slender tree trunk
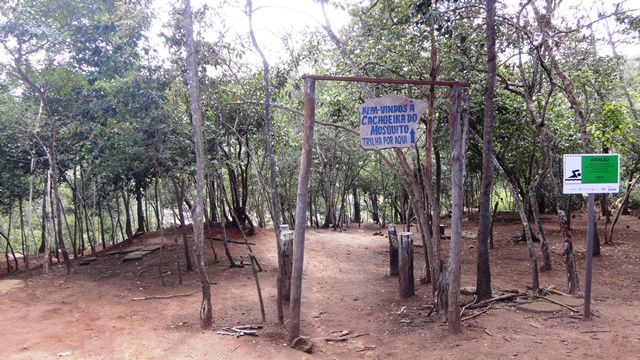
x=357, y=217
x=23, y=236
x=101, y=219
x=47, y=222
x=118, y=217
x=113, y=224
x=206, y=315
x=212, y=201
x=179, y=190
x=140, y=210
x=301, y=205
x=483, y=280
x=523, y=218
x=157, y=208
x=88, y=222
x=9, y=245
x=273, y=193
x=29, y=214
x=544, y=244
x=625, y=200
x=127, y=210
x=66, y=223
x=223, y=224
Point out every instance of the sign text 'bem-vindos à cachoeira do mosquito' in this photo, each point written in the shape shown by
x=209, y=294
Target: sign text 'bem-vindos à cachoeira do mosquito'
x=389, y=122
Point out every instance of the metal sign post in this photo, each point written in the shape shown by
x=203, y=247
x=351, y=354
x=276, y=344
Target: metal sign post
x=591, y=174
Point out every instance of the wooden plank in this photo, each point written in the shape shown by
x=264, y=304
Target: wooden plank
x=137, y=255
x=151, y=248
x=87, y=261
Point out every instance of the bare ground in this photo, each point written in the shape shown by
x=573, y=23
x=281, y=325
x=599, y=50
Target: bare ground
x=91, y=315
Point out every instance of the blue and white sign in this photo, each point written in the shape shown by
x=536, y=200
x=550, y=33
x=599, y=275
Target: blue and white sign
x=390, y=122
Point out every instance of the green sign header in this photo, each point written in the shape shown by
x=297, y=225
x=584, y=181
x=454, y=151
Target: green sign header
x=601, y=169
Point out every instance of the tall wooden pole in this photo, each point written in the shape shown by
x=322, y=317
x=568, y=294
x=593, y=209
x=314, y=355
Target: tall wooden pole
x=457, y=197
x=301, y=207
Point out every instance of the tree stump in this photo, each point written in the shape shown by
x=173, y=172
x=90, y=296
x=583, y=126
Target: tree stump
x=286, y=246
x=405, y=264
x=393, y=251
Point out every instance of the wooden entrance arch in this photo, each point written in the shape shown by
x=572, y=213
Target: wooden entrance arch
x=457, y=129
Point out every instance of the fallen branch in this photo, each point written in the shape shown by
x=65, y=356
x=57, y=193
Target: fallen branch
x=557, y=292
x=557, y=303
x=237, y=331
x=595, y=331
x=475, y=298
x=487, y=302
x=336, y=339
x=232, y=241
x=475, y=315
x=366, y=348
x=162, y=297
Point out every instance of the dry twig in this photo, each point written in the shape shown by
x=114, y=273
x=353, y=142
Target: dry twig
x=161, y=297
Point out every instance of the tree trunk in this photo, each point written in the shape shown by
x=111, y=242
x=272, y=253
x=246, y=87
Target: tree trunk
x=375, y=216
x=493, y=220
x=301, y=209
x=23, y=237
x=157, y=208
x=101, y=219
x=47, y=222
x=140, y=210
x=483, y=271
x=357, y=217
x=118, y=216
x=8, y=238
x=223, y=224
x=213, y=211
x=206, y=315
x=127, y=210
x=533, y=202
x=113, y=224
x=393, y=251
x=179, y=190
x=88, y=223
x=29, y=214
x=625, y=201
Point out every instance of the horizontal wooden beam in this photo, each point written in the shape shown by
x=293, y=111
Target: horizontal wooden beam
x=386, y=80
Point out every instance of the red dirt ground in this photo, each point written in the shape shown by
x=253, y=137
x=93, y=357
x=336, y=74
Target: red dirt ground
x=90, y=314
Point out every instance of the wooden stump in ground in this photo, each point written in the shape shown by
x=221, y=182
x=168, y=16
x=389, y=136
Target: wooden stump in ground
x=405, y=264
x=393, y=251
x=286, y=246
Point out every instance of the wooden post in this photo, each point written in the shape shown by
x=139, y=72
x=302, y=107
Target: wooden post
x=393, y=251
x=457, y=136
x=301, y=208
x=405, y=264
x=286, y=251
x=591, y=215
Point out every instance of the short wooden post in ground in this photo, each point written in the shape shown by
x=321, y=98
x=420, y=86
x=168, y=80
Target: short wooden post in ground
x=405, y=264
x=286, y=248
x=393, y=251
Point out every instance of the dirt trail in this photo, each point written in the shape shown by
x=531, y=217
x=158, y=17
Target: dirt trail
x=90, y=314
